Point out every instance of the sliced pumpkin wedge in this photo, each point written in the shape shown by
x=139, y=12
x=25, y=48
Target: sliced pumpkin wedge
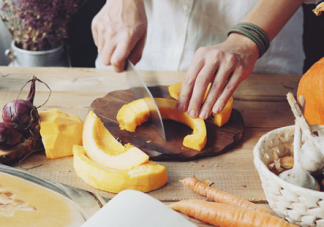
x=223, y=117
x=167, y=107
x=175, y=89
x=219, y=119
x=103, y=148
x=133, y=114
x=146, y=177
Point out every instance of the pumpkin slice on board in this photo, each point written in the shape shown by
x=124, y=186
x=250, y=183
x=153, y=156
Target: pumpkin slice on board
x=223, y=117
x=103, y=148
x=219, y=119
x=175, y=89
x=146, y=177
x=146, y=138
x=167, y=107
x=133, y=114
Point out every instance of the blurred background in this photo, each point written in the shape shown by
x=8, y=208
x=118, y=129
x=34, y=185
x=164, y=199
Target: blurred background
x=83, y=52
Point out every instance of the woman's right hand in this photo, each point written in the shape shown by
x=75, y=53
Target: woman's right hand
x=225, y=66
x=119, y=32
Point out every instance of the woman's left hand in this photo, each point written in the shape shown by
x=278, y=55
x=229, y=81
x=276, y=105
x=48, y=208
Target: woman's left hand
x=225, y=66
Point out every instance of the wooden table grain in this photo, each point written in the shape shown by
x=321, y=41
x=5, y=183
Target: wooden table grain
x=261, y=99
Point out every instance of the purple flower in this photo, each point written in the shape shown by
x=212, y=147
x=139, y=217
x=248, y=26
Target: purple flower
x=38, y=24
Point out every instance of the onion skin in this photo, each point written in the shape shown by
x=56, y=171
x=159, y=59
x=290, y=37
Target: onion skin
x=21, y=112
x=20, y=131
x=23, y=149
x=9, y=136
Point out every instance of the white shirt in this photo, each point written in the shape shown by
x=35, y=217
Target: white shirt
x=177, y=28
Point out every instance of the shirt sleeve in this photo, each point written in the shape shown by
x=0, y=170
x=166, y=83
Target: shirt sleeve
x=312, y=1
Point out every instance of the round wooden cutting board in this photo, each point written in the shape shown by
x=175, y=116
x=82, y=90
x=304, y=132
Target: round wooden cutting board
x=146, y=138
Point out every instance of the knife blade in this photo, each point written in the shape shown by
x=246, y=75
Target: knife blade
x=140, y=91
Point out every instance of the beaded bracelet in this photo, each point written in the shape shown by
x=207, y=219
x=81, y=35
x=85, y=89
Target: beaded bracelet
x=255, y=33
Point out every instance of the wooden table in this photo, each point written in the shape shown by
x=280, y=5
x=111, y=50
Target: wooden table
x=261, y=99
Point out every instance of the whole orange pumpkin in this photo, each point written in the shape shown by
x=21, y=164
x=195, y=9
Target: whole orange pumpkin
x=311, y=86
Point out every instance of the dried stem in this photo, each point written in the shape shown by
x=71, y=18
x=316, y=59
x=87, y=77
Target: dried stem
x=298, y=114
x=34, y=79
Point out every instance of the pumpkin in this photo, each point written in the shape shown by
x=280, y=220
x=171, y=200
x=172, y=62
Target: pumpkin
x=102, y=148
x=133, y=114
x=219, y=119
x=145, y=177
x=129, y=119
x=59, y=131
x=223, y=117
x=311, y=86
x=175, y=89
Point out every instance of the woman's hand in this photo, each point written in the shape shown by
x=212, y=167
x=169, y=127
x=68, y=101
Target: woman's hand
x=119, y=32
x=224, y=65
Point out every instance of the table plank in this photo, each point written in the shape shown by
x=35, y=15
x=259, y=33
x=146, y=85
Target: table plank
x=261, y=99
x=232, y=172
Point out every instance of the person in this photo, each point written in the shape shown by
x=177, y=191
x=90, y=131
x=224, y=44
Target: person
x=192, y=36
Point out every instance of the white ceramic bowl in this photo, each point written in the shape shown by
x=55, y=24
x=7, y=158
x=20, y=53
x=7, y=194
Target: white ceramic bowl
x=301, y=206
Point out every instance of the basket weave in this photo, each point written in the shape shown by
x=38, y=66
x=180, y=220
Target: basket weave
x=301, y=206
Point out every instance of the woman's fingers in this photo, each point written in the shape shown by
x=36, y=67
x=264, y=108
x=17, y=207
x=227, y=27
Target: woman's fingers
x=94, y=32
x=136, y=54
x=105, y=49
x=223, y=76
x=228, y=91
x=225, y=66
x=128, y=46
x=205, y=76
x=188, y=84
x=121, y=52
x=210, y=65
x=117, y=29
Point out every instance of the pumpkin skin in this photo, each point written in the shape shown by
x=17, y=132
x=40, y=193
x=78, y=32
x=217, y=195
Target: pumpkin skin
x=101, y=147
x=128, y=119
x=145, y=177
x=311, y=86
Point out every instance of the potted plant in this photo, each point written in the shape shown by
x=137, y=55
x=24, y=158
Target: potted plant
x=38, y=29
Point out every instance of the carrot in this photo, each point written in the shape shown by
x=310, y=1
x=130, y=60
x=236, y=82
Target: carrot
x=219, y=196
x=225, y=215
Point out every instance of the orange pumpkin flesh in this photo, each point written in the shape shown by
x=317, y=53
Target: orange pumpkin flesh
x=221, y=118
x=311, y=86
x=130, y=117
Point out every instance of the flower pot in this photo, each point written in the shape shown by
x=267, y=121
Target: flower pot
x=27, y=58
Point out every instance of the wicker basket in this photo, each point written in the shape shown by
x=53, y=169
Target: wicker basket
x=297, y=205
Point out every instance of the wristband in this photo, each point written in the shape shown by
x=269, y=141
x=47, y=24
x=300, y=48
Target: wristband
x=255, y=33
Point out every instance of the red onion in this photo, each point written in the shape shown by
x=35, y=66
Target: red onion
x=22, y=112
x=20, y=131
x=9, y=136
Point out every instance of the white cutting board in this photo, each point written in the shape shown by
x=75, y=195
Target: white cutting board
x=134, y=208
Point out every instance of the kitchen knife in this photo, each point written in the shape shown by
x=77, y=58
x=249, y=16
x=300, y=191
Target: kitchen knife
x=140, y=91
